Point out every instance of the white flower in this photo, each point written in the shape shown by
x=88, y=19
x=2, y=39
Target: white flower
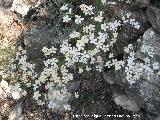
x=114, y=25
x=119, y=64
x=78, y=19
x=88, y=68
x=136, y=25
x=74, y=34
x=111, y=3
x=138, y=40
x=4, y=84
x=67, y=107
x=48, y=51
x=111, y=55
x=76, y=94
x=147, y=60
x=132, y=22
x=66, y=18
x=69, y=11
x=89, y=29
x=99, y=68
x=51, y=104
x=151, y=33
x=15, y=91
x=104, y=26
x=36, y=95
x=102, y=37
x=128, y=15
x=99, y=18
x=103, y=2
x=99, y=59
x=87, y=10
x=158, y=74
x=64, y=7
x=155, y=65
x=105, y=48
x=147, y=49
x=80, y=70
x=108, y=64
x=16, y=95
x=126, y=49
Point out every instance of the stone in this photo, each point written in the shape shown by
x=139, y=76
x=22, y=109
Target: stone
x=73, y=86
x=130, y=33
x=126, y=103
x=6, y=3
x=143, y=3
x=149, y=90
x=109, y=76
x=153, y=14
x=144, y=93
x=16, y=113
x=152, y=38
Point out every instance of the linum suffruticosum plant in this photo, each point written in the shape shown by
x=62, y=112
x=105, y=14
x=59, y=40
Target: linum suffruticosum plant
x=88, y=47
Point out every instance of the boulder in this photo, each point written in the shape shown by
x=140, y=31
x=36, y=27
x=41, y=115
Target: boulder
x=153, y=15
x=126, y=103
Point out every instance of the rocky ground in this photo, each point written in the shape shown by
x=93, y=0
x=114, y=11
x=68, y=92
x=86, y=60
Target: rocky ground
x=107, y=93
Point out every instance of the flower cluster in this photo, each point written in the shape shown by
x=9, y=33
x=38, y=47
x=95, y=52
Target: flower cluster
x=126, y=19
x=14, y=91
x=87, y=10
x=89, y=47
x=135, y=70
x=48, y=51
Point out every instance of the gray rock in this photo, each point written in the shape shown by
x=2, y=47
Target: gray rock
x=129, y=32
x=16, y=113
x=149, y=90
x=153, y=14
x=143, y=3
x=125, y=102
x=152, y=38
x=109, y=77
x=144, y=93
x=6, y=3
x=73, y=86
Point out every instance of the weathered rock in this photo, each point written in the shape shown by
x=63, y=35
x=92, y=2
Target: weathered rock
x=6, y=3
x=109, y=77
x=152, y=38
x=153, y=14
x=126, y=103
x=129, y=32
x=149, y=90
x=142, y=3
x=144, y=93
x=73, y=86
x=16, y=113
